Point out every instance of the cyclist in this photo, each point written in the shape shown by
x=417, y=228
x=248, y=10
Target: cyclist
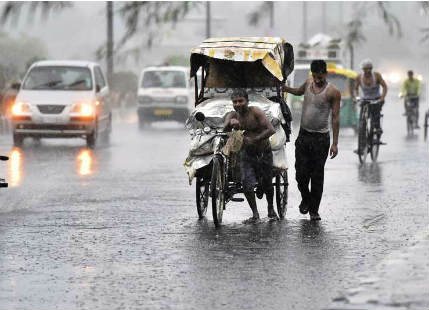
x=370, y=83
x=412, y=87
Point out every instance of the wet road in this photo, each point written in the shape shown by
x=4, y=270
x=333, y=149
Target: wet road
x=116, y=228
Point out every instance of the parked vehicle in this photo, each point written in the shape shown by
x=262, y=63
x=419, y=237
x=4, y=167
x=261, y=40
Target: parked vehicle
x=164, y=93
x=260, y=65
x=343, y=80
x=62, y=99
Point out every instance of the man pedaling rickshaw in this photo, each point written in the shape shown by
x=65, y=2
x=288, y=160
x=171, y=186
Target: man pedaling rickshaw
x=256, y=158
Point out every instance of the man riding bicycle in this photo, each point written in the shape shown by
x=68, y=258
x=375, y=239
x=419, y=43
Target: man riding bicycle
x=370, y=83
x=411, y=89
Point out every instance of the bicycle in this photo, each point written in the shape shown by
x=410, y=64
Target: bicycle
x=411, y=103
x=3, y=182
x=369, y=136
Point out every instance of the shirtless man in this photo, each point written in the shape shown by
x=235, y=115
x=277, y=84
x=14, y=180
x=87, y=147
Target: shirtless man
x=256, y=158
x=321, y=99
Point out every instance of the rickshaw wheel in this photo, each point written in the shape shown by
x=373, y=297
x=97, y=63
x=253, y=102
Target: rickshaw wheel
x=202, y=195
x=281, y=193
x=216, y=191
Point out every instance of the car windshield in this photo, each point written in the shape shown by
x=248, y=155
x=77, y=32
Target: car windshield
x=164, y=79
x=58, y=78
x=339, y=81
x=300, y=76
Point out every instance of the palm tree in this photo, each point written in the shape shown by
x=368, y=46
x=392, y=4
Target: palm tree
x=354, y=34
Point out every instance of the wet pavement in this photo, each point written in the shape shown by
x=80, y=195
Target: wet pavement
x=116, y=228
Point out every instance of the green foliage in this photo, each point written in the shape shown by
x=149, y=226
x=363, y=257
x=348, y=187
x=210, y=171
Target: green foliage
x=16, y=54
x=12, y=10
x=124, y=81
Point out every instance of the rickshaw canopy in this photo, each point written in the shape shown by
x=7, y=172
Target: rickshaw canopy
x=243, y=62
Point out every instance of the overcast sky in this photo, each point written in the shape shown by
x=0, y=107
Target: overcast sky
x=79, y=31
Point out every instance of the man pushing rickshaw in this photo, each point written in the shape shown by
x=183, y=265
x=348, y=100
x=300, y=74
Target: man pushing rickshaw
x=240, y=97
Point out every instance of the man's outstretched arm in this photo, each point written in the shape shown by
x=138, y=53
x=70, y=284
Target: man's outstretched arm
x=295, y=91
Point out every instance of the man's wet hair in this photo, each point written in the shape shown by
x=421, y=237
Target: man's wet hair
x=318, y=66
x=240, y=92
x=410, y=72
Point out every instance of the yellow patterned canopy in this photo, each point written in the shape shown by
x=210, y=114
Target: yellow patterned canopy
x=273, y=53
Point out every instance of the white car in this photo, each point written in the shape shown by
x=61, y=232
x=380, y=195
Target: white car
x=165, y=93
x=62, y=99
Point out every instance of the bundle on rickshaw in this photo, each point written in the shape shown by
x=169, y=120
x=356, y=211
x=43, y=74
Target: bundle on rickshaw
x=220, y=65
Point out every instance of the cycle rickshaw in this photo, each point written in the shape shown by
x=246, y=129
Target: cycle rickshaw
x=259, y=65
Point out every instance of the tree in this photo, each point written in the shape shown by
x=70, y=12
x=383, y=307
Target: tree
x=16, y=54
x=425, y=12
x=144, y=18
x=266, y=8
x=354, y=34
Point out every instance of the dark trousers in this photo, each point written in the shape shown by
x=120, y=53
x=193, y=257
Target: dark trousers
x=311, y=151
x=375, y=112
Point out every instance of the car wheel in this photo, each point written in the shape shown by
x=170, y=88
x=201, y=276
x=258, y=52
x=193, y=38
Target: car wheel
x=91, y=138
x=18, y=139
x=106, y=133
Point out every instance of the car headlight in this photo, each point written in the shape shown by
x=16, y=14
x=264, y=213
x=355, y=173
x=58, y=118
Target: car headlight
x=84, y=109
x=145, y=99
x=182, y=99
x=20, y=108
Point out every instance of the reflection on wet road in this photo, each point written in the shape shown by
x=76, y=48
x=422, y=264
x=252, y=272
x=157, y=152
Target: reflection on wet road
x=84, y=162
x=116, y=227
x=15, y=167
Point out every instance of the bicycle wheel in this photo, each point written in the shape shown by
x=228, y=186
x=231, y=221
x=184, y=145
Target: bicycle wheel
x=202, y=195
x=375, y=145
x=363, y=135
x=216, y=191
x=410, y=124
x=282, y=193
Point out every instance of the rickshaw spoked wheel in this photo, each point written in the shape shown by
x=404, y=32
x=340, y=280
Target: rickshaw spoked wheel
x=281, y=193
x=217, y=190
x=202, y=195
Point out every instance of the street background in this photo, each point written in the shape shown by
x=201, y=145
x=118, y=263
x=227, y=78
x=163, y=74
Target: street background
x=117, y=228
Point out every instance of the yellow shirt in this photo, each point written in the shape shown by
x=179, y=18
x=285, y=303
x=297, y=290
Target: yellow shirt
x=411, y=87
